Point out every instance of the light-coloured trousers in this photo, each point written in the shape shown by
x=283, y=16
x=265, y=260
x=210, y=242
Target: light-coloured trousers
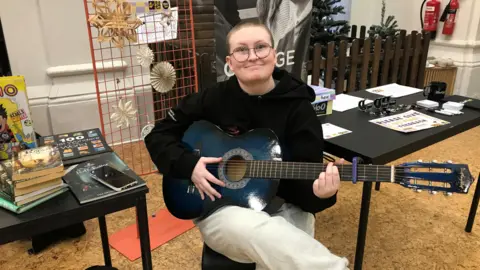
x=281, y=241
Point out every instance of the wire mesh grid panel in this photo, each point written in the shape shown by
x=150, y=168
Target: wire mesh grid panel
x=144, y=55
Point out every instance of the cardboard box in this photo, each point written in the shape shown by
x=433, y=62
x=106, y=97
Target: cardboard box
x=323, y=103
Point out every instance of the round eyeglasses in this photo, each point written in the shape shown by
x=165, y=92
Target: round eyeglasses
x=241, y=54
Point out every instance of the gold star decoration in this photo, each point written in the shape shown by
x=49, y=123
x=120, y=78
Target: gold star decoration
x=113, y=19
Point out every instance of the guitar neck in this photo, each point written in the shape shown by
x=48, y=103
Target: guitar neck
x=309, y=171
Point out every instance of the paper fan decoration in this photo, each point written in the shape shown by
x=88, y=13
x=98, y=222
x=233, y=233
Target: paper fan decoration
x=123, y=113
x=163, y=77
x=145, y=56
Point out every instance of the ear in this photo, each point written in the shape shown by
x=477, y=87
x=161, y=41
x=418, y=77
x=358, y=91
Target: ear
x=228, y=60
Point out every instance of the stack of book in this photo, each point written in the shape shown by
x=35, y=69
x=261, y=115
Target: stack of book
x=30, y=178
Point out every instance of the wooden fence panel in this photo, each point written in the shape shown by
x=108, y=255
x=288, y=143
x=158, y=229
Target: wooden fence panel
x=353, y=65
x=365, y=64
x=329, y=72
x=387, y=58
x=342, y=63
x=376, y=62
x=357, y=64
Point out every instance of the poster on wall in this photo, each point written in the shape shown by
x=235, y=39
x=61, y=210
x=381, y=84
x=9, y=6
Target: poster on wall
x=288, y=20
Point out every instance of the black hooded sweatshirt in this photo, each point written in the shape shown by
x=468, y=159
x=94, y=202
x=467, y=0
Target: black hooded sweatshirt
x=286, y=110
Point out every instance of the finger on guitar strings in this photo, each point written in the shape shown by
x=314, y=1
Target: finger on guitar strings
x=340, y=161
x=214, y=180
x=329, y=180
x=321, y=180
x=336, y=177
x=209, y=189
x=202, y=195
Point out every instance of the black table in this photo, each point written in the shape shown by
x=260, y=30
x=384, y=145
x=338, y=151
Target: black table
x=65, y=210
x=375, y=144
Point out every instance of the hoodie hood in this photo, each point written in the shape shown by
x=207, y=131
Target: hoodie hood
x=286, y=86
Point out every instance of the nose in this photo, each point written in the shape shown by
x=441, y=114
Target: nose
x=252, y=55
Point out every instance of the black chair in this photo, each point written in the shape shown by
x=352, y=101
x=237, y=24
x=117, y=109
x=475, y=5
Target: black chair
x=212, y=260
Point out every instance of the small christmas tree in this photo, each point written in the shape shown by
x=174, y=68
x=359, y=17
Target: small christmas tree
x=386, y=28
x=324, y=28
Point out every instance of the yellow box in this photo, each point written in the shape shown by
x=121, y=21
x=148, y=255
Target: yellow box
x=323, y=103
x=16, y=124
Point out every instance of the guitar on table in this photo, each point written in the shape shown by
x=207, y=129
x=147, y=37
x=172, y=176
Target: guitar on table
x=252, y=167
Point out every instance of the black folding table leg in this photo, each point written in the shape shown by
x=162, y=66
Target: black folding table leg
x=377, y=186
x=104, y=236
x=473, y=208
x=362, y=226
x=142, y=219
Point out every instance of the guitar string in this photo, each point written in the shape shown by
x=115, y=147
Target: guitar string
x=309, y=166
x=381, y=172
x=298, y=171
x=294, y=163
x=305, y=167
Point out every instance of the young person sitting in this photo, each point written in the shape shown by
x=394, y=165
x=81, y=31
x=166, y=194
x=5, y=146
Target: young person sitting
x=257, y=96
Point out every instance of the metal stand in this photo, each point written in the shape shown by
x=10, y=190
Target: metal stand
x=473, y=208
x=377, y=186
x=362, y=226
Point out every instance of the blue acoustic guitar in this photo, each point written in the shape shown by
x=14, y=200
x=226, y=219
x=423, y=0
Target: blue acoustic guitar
x=252, y=167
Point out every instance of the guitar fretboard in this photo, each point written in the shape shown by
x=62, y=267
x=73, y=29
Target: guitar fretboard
x=308, y=171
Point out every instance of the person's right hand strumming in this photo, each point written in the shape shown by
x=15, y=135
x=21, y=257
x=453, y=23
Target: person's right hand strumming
x=201, y=177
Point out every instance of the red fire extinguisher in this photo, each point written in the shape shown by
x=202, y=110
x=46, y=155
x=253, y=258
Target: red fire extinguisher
x=449, y=24
x=432, y=11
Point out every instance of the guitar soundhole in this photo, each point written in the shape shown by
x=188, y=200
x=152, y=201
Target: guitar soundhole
x=235, y=168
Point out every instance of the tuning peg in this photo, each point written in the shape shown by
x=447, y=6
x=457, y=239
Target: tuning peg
x=419, y=161
x=432, y=192
x=417, y=190
x=448, y=194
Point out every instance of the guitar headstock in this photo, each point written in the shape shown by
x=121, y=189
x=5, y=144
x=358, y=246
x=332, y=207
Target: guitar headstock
x=435, y=177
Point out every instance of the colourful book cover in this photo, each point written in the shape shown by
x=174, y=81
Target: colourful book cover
x=16, y=125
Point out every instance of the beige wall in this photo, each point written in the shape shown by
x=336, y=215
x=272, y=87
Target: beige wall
x=48, y=43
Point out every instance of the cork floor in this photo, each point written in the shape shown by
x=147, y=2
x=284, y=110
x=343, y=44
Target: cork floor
x=407, y=230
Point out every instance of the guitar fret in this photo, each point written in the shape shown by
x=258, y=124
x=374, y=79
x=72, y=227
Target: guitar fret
x=272, y=169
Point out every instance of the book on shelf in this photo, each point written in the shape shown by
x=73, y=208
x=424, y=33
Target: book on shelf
x=8, y=205
x=35, y=162
x=78, y=146
x=30, y=176
x=86, y=189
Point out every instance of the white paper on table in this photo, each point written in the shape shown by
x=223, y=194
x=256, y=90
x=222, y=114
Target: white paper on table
x=394, y=90
x=332, y=131
x=409, y=121
x=345, y=102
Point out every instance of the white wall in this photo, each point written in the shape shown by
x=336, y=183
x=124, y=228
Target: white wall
x=48, y=43
x=463, y=46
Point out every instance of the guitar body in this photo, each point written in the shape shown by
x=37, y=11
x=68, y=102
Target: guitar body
x=181, y=197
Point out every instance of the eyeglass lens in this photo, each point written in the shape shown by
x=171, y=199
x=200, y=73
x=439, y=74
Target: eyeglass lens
x=242, y=54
